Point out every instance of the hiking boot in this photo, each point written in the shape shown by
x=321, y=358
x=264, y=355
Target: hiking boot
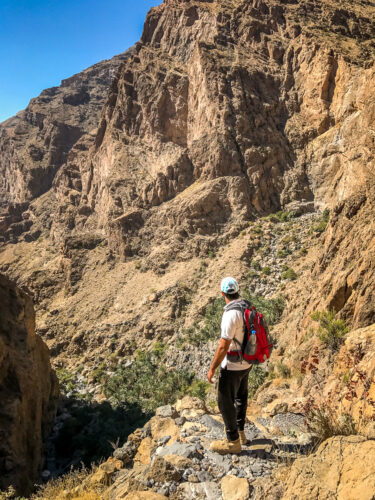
x=225, y=446
x=243, y=437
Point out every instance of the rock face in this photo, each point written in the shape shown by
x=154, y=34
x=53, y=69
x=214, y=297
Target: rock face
x=342, y=469
x=35, y=143
x=227, y=109
x=221, y=111
x=28, y=390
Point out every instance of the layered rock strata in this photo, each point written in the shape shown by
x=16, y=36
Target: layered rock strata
x=28, y=391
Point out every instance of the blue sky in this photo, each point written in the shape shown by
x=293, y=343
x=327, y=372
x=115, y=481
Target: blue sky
x=44, y=41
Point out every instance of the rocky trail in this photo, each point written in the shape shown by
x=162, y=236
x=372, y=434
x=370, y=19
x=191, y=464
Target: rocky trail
x=170, y=455
x=170, y=458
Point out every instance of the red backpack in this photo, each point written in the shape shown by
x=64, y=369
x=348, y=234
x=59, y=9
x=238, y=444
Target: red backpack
x=257, y=346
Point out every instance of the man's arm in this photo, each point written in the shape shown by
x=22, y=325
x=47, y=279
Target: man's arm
x=220, y=354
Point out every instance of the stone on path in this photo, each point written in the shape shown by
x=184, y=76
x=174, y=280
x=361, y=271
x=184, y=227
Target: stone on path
x=235, y=488
x=201, y=491
x=144, y=495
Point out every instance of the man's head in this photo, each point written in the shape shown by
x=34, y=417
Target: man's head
x=229, y=288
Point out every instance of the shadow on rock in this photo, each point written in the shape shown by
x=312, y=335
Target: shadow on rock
x=88, y=432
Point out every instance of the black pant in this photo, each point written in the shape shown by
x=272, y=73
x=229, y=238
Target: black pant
x=232, y=400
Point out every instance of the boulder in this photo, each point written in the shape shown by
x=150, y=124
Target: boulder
x=343, y=468
x=235, y=488
x=162, y=471
x=167, y=411
x=143, y=455
x=162, y=427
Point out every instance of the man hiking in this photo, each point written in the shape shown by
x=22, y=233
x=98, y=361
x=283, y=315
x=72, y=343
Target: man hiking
x=234, y=372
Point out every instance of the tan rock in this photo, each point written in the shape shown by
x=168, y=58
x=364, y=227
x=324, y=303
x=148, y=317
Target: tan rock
x=143, y=455
x=235, y=488
x=162, y=427
x=276, y=407
x=144, y=495
x=178, y=461
x=162, y=471
x=195, y=426
x=343, y=468
x=105, y=471
x=188, y=403
x=192, y=413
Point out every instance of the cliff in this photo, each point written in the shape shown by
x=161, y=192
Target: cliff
x=35, y=143
x=28, y=391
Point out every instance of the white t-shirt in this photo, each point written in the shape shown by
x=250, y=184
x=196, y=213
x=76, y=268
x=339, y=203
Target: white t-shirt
x=232, y=326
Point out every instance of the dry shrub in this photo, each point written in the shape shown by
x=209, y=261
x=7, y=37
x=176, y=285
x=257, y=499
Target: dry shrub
x=75, y=485
x=330, y=417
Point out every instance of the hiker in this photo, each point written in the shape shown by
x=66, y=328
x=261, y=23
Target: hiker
x=234, y=373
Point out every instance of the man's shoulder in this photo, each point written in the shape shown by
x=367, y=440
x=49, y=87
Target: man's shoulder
x=232, y=314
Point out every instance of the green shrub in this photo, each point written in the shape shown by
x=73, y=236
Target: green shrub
x=255, y=264
x=325, y=215
x=303, y=251
x=281, y=216
x=266, y=270
x=257, y=230
x=210, y=330
x=322, y=224
x=331, y=331
x=257, y=376
x=289, y=274
x=198, y=389
x=69, y=385
x=98, y=373
x=252, y=274
x=272, y=309
x=273, y=218
x=281, y=254
x=146, y=382
x=346, y=377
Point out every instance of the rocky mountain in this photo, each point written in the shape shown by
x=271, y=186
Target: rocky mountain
x=235, y=138
x=28, y=391
x=35, y=143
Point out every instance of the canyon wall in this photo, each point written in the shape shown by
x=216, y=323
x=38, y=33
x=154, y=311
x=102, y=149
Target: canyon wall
x=28, y=391
x=35, y=143
x=227, y=110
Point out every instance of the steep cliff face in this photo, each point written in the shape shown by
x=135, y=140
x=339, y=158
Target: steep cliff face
x=224, y=112
x=28, y=390
x=228, y=109
x=35, y=143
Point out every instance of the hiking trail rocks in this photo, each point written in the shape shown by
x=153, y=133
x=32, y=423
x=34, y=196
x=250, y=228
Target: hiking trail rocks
x=185, y=468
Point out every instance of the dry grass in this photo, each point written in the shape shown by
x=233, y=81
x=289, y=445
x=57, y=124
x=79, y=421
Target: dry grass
x=74, y=485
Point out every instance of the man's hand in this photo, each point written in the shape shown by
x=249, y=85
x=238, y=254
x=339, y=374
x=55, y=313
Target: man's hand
x=218, y=358
x=210, y=375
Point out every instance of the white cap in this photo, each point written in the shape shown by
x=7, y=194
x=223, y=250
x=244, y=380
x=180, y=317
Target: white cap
x=229, y=285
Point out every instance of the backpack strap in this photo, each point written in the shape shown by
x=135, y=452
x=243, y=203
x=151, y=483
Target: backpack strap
x=241, y=306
